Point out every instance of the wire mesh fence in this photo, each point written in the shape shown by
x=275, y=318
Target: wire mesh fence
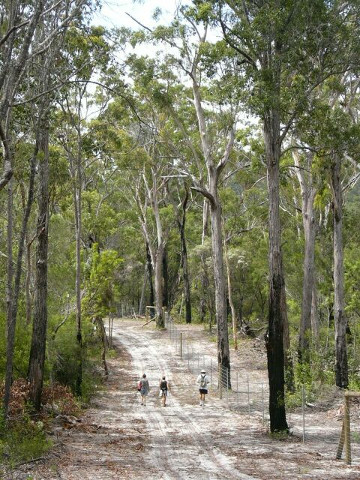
x=240, y=393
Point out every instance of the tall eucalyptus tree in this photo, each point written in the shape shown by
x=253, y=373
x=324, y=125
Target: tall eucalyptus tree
x=209, y=79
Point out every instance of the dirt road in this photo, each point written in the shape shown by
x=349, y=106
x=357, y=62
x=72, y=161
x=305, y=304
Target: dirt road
x=120, y=439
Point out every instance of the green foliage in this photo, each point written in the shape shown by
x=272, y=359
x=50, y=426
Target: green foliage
x=101, y=283
x=22, y=441
x=63, y=357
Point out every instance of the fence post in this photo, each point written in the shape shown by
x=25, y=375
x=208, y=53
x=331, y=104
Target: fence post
x=248, y=395
x=181, y=345
x=220, y=381
x=262, y=403
x=237, y=387
x=227, y=384
x=303, y=410
x=347, y=429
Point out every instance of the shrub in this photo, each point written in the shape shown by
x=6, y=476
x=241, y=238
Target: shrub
x=23, y=440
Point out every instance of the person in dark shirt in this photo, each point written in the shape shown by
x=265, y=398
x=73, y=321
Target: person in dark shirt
x=164, y=389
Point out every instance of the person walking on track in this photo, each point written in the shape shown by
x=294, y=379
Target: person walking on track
x=203, y=381
x=144, y=389
x=164, y=389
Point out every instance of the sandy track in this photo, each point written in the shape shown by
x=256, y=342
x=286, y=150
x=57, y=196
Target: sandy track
x=181, y=434
x=118, y=439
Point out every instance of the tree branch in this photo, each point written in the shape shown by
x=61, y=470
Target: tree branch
x=12, y=29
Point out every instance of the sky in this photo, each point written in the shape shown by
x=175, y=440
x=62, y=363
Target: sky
x=114, y=12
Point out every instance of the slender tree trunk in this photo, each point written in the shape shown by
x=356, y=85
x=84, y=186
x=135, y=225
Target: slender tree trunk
x=308, y=195
x=204, y=272
x=12, y=317
x=11, y=70
x=78, y=225
x=23, y=234
x=100, y=324
x=184, y=259
x=220, y=295
x=308, y=282
x=10, y=333
x=143, y=292
x=314, y=315
x=158, y=277
x=231, y=303
x=38, y=341
x=341, y=363
x=275, y=342
x=186, y=276
x=157, y=254
x=288, y=362
x=166, y=280
x=150, y=277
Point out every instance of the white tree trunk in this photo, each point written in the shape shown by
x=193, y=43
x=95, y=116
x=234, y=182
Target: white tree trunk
x=308, y=192
x=341, y=362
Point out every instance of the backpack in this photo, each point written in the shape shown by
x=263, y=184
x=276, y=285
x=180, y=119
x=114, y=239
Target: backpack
x=203, y=381
x=163, y=385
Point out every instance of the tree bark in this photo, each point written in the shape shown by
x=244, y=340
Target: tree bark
x=341, y=361
x=181, y=221
x=150, y=277
x=10, y=332
x=274, y=344
x=38, y=341
x=100, y=324
x=314, y=315
x=231, y=303
x=204, y=271
x=220, y=295
x=143, y=291
x=166, y=279
x=308, y=193
x=77, y=191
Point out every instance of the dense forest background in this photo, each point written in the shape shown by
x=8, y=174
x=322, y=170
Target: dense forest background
x=214, y=176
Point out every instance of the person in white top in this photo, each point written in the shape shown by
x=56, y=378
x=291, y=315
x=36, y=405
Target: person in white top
x=203, y=381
